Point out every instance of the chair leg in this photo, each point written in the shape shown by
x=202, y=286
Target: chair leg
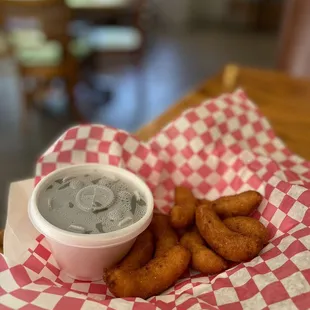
x=74, y=113
x=26, y=98
x=141, y=87
x=71, y=83
x=25, y=109
x=71, y=79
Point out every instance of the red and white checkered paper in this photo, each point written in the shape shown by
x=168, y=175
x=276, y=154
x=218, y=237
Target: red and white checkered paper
x=221, y=147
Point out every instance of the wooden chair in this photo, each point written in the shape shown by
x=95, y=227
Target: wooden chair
x=125, y=37
x=47, y=56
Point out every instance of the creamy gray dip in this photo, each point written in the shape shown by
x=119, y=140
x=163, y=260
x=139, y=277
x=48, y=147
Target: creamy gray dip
x=91, y=203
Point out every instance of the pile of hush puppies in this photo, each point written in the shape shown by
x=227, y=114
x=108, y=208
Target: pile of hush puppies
x=204, y=235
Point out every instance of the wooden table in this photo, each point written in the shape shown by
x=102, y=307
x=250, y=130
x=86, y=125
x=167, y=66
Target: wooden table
x=283, y=100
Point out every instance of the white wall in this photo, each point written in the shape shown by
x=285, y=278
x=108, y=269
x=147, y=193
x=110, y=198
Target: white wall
x=174, y=12
x=178, y=13
x=209, y=10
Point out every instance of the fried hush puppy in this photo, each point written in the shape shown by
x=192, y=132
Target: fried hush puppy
x=141, y=252
x=237, y=205
x=203, y=259
x=248, y=226
x=165, y=236
x=202, y=202
x=155, y=277
x=225, y=242
x=182, y=214
x=139, y=255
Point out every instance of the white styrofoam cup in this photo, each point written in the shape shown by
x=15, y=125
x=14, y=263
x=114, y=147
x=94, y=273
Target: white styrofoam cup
x=84, y=256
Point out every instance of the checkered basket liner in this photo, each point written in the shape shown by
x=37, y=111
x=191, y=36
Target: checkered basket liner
x=221, y=147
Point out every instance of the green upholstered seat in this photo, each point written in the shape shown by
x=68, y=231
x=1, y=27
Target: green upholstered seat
x=26, y=38
x=48, y=54
x=111, y=38
x=96, y=3
x=32, y=49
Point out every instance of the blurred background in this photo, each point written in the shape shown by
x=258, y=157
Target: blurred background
x=119, y=62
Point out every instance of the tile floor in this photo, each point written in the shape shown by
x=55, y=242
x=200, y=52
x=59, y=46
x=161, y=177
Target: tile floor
x=174, y=64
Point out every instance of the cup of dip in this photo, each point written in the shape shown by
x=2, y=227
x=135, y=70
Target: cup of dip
x=90, y=215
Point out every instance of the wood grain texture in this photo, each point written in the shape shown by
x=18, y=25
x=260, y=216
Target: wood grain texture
x=285, y=102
